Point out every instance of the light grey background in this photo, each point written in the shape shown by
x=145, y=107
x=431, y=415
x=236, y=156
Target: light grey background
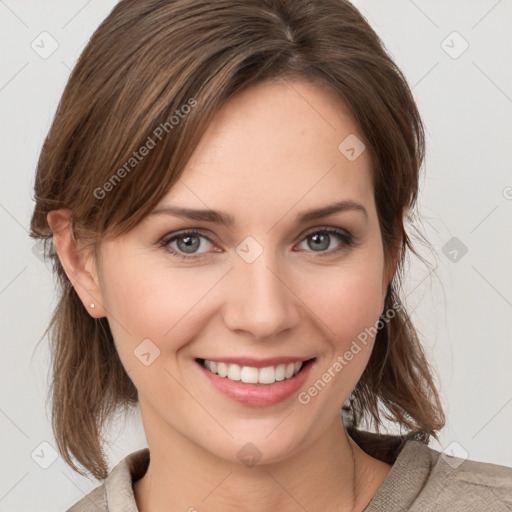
x=462, y=310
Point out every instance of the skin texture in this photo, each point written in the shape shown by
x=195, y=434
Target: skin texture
x=270, y=154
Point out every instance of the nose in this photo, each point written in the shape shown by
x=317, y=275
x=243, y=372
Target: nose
x=261, y=301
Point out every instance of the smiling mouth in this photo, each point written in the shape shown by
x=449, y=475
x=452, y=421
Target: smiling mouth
x=253, y=375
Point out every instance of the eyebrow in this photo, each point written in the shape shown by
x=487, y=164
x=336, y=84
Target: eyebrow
x=219, y=217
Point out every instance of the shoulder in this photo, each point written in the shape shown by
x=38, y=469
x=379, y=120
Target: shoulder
x=95, y=500
x=452, y=483
x=424, y=479
x=461, y=484
x=116, y=491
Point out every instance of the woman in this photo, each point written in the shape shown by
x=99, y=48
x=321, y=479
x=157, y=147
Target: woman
x=226, y=187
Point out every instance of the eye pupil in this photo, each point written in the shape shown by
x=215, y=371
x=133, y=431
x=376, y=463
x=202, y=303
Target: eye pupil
x=320, y=238
x=188, y=242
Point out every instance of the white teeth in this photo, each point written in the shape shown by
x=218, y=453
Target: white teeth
x=251, y=375
x=222, y=369
x=234, y=372
x=248, y=374
x=280, y=371
x=266, y=375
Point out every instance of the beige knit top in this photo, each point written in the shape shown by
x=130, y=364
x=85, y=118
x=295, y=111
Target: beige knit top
x=421, y=480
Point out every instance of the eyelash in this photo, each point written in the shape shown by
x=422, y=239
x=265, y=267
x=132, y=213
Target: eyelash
x=345, y=237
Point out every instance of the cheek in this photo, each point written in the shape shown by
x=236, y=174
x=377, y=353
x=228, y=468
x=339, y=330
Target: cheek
x=349, y=315
x=347, y=299
x=152, y=302
x=347, y=303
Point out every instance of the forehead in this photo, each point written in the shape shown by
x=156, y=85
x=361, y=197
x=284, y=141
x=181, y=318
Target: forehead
x=273, y=148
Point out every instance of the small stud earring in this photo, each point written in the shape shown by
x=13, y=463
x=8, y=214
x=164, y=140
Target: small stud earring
x=92, y=306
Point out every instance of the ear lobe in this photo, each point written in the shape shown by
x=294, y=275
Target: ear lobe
x=78, y=263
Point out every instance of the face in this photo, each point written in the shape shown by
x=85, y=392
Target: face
x=267, y=287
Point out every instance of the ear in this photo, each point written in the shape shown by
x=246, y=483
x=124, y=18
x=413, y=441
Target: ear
x=79, y=264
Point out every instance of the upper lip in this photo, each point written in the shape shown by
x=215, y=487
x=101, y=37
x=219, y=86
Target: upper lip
x=257, y=363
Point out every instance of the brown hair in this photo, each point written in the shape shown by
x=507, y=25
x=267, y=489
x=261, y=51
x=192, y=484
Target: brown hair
x=142, y=66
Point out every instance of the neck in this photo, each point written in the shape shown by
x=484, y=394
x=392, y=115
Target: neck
x=331, y=473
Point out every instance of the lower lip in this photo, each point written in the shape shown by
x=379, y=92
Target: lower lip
x=258, y=395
